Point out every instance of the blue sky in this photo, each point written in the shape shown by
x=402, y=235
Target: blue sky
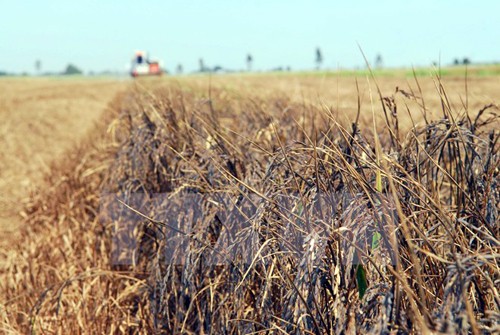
x=99, y=35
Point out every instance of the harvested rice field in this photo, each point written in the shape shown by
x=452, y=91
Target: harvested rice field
x=250, y=204
x=41, y=119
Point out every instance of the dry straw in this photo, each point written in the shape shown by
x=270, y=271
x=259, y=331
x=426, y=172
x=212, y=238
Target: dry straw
x=260, y=214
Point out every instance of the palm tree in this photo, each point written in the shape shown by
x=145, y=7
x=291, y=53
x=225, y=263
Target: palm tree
x=319, y=58
x=249, y=62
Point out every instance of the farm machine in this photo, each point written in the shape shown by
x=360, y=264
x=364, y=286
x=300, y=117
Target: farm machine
x=142, y=65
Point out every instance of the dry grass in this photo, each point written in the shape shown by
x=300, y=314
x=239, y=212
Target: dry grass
x=261, y=206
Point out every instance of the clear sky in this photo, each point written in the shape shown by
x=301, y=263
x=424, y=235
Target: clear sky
x=103, y=34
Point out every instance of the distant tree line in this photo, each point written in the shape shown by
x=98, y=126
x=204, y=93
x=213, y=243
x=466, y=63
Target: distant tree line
x=464, y=61
x=72, y=69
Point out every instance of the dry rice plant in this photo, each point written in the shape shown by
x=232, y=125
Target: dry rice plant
x=249, y=214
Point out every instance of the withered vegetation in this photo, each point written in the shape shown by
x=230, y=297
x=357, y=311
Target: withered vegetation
x=220, y=211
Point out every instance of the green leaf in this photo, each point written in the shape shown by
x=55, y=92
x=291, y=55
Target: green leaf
x=376, y=240
x=361, y=279
x=300, y=208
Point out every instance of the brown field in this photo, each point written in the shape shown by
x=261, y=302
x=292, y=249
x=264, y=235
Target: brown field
x=41, y=120
x=386, y=226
